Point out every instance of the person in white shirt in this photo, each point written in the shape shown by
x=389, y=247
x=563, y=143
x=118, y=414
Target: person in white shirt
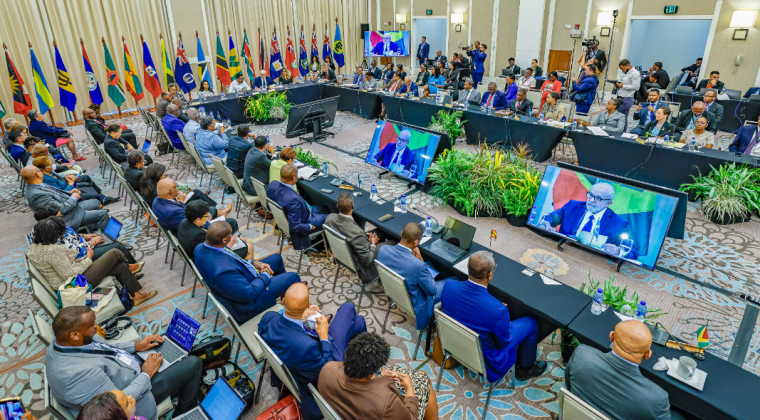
x=627, y=86
x=527, y=81
x=239, y=85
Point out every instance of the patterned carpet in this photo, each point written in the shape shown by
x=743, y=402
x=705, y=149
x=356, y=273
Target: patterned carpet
x=725, y=256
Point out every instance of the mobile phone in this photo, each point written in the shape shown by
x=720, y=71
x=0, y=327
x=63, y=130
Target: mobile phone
x=12, y=408
x=71, y=163
x=146, y=146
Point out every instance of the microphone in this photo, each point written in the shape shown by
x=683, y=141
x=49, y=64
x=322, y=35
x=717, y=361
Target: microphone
x=662, y=339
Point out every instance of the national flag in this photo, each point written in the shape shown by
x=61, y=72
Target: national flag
x=93, y=87
x=275, y=68
x=185, y=79
x=115, y=89
x=65, y=89
x=702, y=339
x=338, y=50
x=290, y=57
x=250, y=67
x=150, y=75
x=2, y=110
x=44, y=97
x=167, y=64
x=262, y=57
x=493, y=234
x=134, y=87
x=314, y=49
x=203, y=73
x=234, y=60
x=222, y=71
x=303, y=60
x=326, y=50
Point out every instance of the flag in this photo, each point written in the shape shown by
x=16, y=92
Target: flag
x=203, y=73
x=134, y=87
x=65, y=89
x=150, y=75
x=115, y=89
x=222, y=71
x=262, y=58
x=326, y=50
x=234, y=61
x=702, y=339
x=493, y=234
x=314, y=49
x=338, y=55
x=303, y=61
x=2, y=110
x=276, y=58
x=167, y=64
x=92, y=82
x=290, y=57
x=44, y=97
x=185, y=78
x=248, y=58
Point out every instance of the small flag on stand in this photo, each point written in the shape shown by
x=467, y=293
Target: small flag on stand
x=493, y=236
x=702, y=339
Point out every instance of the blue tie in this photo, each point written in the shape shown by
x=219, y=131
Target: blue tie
x=589, y=224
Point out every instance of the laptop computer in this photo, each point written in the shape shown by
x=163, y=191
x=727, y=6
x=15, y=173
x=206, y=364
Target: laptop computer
x=221, y=403
x=146, y=146
x=113, y=229
x=705, y=90
x=455, y=242
x=754, y=98
x=178, y=340
x=506, y=72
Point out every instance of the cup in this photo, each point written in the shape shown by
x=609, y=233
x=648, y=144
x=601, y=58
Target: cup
x=686, y=367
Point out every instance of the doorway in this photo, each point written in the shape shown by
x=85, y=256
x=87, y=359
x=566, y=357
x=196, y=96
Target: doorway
x=675, y=43
x=435, y=30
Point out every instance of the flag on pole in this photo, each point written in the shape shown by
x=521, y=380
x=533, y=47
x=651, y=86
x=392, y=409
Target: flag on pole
x=303, y=61
x=2, y=110
x=185, y=78
x=276, y=57
x=248, y=58
x=234, y=60
x=326, y=50
x=22, y=103
x=93, y=87
x=166, y=63
x=702, y=339
x=203, y=73
x=65, y=89
x=290, y=57
x=134, y=87
x=150, y=75
x=314, y=49
x=262, y=58
x=338, y=55
x=44, y=97
x=222, y=71
x=115, y=89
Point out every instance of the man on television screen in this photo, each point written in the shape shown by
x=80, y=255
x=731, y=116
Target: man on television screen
x=387, y=47
x=396, y=157
x=593, y=223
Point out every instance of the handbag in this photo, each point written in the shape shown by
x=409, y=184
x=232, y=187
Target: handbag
x=214, y=351
x=75, y=292
x=285, y=409
x=438, y=355
x=236, y=378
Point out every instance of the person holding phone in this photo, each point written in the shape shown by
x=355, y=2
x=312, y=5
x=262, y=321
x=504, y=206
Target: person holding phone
x=13, y=409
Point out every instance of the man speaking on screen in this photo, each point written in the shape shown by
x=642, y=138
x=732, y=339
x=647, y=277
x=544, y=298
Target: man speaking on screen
x=593, y=223
x=396, y=157
x=387, y=47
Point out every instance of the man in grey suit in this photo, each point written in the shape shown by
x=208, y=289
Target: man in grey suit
x=612, y=382
x=75, y=213
x=468, y=94
x=368, y=82
x=257, y=163
x=79, y=365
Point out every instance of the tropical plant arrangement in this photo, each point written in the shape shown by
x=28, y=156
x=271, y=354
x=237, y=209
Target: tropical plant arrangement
x=448, y=122
x=267, y=106
x=728, y=192
x=311, y=158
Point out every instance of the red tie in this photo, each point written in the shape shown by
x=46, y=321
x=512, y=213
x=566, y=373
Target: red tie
x=490, y=98
x=518, y=106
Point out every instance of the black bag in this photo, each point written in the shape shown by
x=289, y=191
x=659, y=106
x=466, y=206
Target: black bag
x=163, y=148
x=126, y=300
x=214, y=351
x=236, y=377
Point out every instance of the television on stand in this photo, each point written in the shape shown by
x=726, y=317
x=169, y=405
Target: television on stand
x=312, y=117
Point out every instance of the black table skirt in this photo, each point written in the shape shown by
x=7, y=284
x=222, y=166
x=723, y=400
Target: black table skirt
x=734, y=112
x=233, y=107
x=365, y=104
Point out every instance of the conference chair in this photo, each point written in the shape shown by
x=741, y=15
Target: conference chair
x=16, y=167
x=184, y=143
x=463, y=344
x=261, y=192
x=535, y=97
x=146, y=117
x=205, y=169
x=161, y=229
x=41, y=293
x=672, y=85
x=675, y=108
x=278, y=367
x=44, y=331
x=242, y=195
x=569, y=109
x=573, y=408
x=342, y=256
x=284, y=228
x=170, y=148
x=198, y=278
x=220, y=170
x=174, y=243
x=684, y=90
x=749, y=122
x=134, y=197
x=94, y=145
x=324, y=407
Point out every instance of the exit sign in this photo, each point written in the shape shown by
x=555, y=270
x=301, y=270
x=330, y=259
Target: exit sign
x=671, y=10
x=429, y=11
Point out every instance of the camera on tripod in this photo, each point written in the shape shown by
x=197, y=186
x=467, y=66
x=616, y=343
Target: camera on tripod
x=589, y=43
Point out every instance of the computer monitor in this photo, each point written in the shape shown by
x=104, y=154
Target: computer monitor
x=386, y=43
x=613, y=218
x=458, y=233
x=222, y=402
x=705, y=90
x=404, y=150
x=183, y=329
x=303, y=118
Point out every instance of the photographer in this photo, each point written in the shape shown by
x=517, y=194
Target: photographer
x=593, y=52
x=470, y=51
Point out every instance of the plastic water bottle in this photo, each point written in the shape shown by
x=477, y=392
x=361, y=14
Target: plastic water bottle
x=359, y=180
x=373, y=193
x=667, y=138
x=641, y=311
x=202, y=111
x=438, y=98
x=543, y=119
x=575, y=125
x=690, y=146
x=596, y=305
x=229, y=124
x=428, y=227
x=490, y=110
x=269, y=141
x=325, y=170
x=403, y=204
x=218, y=116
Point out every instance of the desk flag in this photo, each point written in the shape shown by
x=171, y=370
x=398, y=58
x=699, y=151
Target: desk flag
x=44, y=97
x=493, y=236
x=203, y=72
x=93, y=87
x=338, y=50
x=185, y=78
x=150, y=75
x=326, y=49
x=134, y=87
x=314, y=49
x=222, y=70
x=250, y=68
x=262, y=57
x=234, y=59
x=290, y=57
x=275, y=66
x=115, y=89
x=303, y=61
x=66, y=91
x=702, y=339
x=166, y=63
x=2, y=110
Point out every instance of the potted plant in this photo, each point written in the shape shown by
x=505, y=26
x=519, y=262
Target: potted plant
x=728, y=192
x=269, y=108
x=519, y=194
x=448, y=122
x=311, y=158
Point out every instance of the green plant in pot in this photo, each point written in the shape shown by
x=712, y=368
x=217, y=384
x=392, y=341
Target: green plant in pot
x=311, y=158
x=267, y=106
x=728, y=192
x=448, y=122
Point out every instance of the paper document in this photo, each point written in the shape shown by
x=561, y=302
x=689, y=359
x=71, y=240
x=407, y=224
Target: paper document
x=462, y=265
x=629, y=136
x=424, y=239
x=218, y=219
x=189, y=196
x=723, y=97
x=623, y=317
x=306, y=172
x=396, y=209
x=597, y=131
x=547, y=280
x=238, y=244
x=528, y=272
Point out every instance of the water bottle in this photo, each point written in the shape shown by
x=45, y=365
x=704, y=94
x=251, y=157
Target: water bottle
x=428, y=227
x=203, y=111
x=641, y=311
x=724, y=90
x=229, y=124
x=490, y=110
x=690, y=146
x=667, y=138
x=543, y=119
x=408, y=93
x=269, y=141
x=359, y=180
x=218, y=116
x=325, y=170
x=596, y=305
x=438, y=99
x=373, y=193
x=575, y=125
x=403, y=204
x=223, y=95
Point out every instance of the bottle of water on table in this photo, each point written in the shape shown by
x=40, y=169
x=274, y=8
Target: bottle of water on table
x=641, y=311
x=373, y=193
x=202, y=110
x=428, y=227
x=438, y=98
x=596, y=305
x=229, y=124
x=325, y=170
x=690, y=146
x=575, y=125
x=543, y=120
x=403, y=204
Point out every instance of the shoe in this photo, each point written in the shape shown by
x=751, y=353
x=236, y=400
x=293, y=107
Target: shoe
x=267, y=216
x=109, y=200
x=80, y=158
x=139, y=276
x=316, y=254
x=536, y=370
x=140, y=266
x=151, y=295
x=229, y=190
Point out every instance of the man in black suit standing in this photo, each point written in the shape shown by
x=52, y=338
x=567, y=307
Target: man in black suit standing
x=134, y=172
x=238, y=151
x=595, y=53
x=257, y=164
x=520, y=105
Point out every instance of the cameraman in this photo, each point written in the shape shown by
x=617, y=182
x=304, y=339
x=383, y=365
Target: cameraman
x=470, y=51
x=594, y=53
x=627, y=87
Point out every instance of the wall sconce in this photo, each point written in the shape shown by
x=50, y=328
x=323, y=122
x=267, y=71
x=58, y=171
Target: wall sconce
x=743, y=19
x=458, y=19
x=604, y=19
x=401, y=18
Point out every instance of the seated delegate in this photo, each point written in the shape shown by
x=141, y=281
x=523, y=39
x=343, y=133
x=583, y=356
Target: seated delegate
x=192, y=230
x=396, y=157
x=54, y=136
x=660, y=127
x=241, y=144
x=527, y=82
x=368, y=82
x=552, y=84
x=520, y=105
x=109, y=406
x=746, y=140
x=644, y=112
x=172, y=123
x=20, y=142
x=688, y=117
x=712, y=106
x=552, y=109
x=493, y=99
x=711, y=83
x=468, y=94
x=192, y=126
x=238, y=85
x=135, y=169
x=263, y=81
x=699, y=134
x=97, y=127
x=409, y=88
x=39, y=148
x=610, y=119
x=287, y=156
x=169, y=206
x=257, y=165
x=114, y=145
x=210, y=143
x=87, y=188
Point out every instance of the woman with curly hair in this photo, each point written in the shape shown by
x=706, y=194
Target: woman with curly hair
x=111, y=405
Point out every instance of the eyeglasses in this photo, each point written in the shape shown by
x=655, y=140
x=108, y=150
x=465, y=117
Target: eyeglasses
x=596, y=198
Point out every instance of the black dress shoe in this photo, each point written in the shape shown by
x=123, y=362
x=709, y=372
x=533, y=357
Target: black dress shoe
x=109, y=200
x=138, y=276
x=536, y=370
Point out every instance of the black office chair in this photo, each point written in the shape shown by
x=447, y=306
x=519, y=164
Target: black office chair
x=684, y=90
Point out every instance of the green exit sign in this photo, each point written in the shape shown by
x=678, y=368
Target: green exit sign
x=671, y=10
x=429, y=11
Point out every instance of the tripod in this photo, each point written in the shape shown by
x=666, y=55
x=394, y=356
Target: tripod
x=600, y=99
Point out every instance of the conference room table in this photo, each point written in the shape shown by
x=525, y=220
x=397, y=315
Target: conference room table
x=735, y=111
x=355, y=101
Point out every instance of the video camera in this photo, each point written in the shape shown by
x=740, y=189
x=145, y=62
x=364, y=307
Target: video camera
x=589, y=43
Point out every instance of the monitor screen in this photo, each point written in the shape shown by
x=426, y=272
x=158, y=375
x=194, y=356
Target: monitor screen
x=611, y=217
x=402, y=150
x=113, y=228
x=222, y=402
x=386, y=44
x=183, y=329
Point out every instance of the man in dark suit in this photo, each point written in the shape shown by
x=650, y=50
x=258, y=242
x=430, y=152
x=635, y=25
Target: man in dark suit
x=238, y=151
x=18, y=150
x=396, y=154
x=408, y=87
x=169, y=206
x=263, y=81
x=645, y=115
x=506, y=342
x=439, y=58
x=595, y=53
x=377, y=74
x=304, y=350
x=386, y=47
x=746, y=140
x=478, y=60
x=612, y=382
x=687, y=118
x=520, y=105
x=134, y=172
x=164, y=101
x=422, y=76
x=245, y=288
x=192, y=230
x=358, y=76
x=515, y=68
x=328, y=74
x=711, y=83
x=182, y=116
x=98, y=130
x=713, y=107
x=493, y=98
x=257, y=164
x=423, y=50
x=593, y=216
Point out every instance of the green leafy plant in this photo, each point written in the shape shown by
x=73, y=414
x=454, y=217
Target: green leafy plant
x=448, y=122
x=311, y=158
x=728, y=192
x=265, y=106
x=617, y=298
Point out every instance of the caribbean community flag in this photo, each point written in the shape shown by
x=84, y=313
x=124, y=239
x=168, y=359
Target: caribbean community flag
x=338, y=50
x=150, y=75
x=115, y=89
x=276, y=58
x=44, y=97
x=203, y=73
x=247, y=57
x=65, y=89
x=290, y=57
x=262, y=57
x=134, y=87
x=22, y=103
x=222, y=71
x=234, y=61
x=185, y=78
x=166, y=64
x=93, y=87
x=314, y=49
x=326, y=50
x=303, y=61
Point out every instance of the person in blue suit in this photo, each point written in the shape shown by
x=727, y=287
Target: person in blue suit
x=595, y=217
x=510, y=89
x=752, y=91
x=645, y=115
x=746, y=140
x=172, y=124
x=52, y=135
x=585, y=90
x=423, y=50
x=478, y=58
x=358, y=76
x=304, y=350
x=386, y=47
x=408, y=86
x=244, y=287
x=493, y=98
x=396, y=154
x=506, y=342
x=263, y=81
x=377, y=74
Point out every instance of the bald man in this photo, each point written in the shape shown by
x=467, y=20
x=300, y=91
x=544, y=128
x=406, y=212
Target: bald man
x=182, y=116
x=41, y=149
x=409, y=87
x=245, y=288
x=97, y=128
x=687, y=118
x=169, y=206
x=163, y=102
x=304, y=350
x=612, y=382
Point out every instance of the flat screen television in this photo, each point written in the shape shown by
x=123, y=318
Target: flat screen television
x=404, y=151
x=299, y=114
x=613, y=218
x=386, y=44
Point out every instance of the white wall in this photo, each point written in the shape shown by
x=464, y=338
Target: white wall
x=434, y=30
x=529, y=31
x=676, y=43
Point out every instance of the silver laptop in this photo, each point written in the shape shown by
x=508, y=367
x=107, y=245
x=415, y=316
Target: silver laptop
x=112, y=231
x=178, y=340
x=221, y=403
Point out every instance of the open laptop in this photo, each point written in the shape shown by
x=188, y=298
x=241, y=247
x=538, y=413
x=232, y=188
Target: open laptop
x=113, y=229
x=178, y=340
x=455, y=242
x=506, y=72
x=705, y=90
x=146, y=146
x=221, y=403
x=754, y=98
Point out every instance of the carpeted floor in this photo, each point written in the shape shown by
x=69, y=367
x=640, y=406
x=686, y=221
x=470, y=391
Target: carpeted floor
x=725, y=256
